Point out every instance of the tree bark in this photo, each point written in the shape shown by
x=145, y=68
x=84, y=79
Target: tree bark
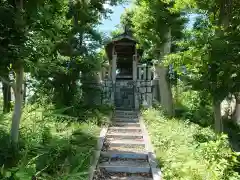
x=165, y=91
x=6, y=89
x=18, y=92
x=218, y=124
x=166, y=98
x=237, y=109
x=25, y=93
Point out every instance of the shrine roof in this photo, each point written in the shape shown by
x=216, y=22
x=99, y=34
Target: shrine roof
x=124, y=45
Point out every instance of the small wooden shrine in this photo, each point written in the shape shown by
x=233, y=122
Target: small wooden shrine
x=123, y=57
x=126, y=78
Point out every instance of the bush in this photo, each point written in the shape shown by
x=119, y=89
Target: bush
x=188, y=151
x=53, y=146
x=194, y=105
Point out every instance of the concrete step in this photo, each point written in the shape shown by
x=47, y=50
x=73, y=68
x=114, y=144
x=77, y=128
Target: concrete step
x=129, y=178
x=124, y=155
x=126, y=166
x=126, y=120
x=125, y=112
x=127, y=149
x=132, y=143
x=124, y=129
x=125, y=116
x=122, y=124
x=118, y=135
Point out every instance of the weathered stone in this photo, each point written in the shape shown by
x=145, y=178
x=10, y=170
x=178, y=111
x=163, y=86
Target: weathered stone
x=127, y=166
x=125, y=155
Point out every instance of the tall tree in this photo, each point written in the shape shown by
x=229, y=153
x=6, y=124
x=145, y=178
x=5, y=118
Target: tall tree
x=209, y=52
x=156, y=26
x=30, y=25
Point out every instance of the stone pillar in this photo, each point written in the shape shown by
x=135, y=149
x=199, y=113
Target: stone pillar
x=110, y=72
x=113, y=73
x=134, y=67
x=156, y=91
x=114, y=67
x=135, y=62
x=139, y=72
x=150, y=86
x=145, y=72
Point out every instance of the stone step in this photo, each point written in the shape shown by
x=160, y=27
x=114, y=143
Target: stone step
x=126, y=166
x=132, y=143
x=125, y=112
x=125, y=116
x=122, y=124
x=124, y=155
x=126, y=120
x=127, y=149
x=129, y=178
x=124, y=129
x=118, y=135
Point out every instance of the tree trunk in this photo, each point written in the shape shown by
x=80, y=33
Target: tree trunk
x=166, y=98
x=165, y=91
x=223, y=20
x=24, y=92
x=18, y=92
x=6, y=89
x=218, y=124
x=237, y=109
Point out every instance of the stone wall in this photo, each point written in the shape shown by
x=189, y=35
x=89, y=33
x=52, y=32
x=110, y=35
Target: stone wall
x=145, y=92
x=129, y=93
x=124, y=94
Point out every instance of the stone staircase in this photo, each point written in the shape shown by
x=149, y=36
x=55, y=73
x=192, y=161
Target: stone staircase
x=124, y=155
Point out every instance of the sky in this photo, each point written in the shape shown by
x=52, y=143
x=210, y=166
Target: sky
x=109, y=25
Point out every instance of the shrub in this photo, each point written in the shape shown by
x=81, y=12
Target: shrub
x=53, y=146
x=188, y=151
x=194, y=105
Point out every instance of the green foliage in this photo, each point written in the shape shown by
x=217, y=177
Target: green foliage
x=195, y=106
x=150, y=21
x=208, y=51
x=188, y=151
x=53, y=146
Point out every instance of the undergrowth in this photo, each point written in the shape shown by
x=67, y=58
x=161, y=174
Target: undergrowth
x=194, y=106
x=187, y=151
x=52, y=146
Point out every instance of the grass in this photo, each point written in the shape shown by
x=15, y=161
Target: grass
x=52, y=146
x=187, y=151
